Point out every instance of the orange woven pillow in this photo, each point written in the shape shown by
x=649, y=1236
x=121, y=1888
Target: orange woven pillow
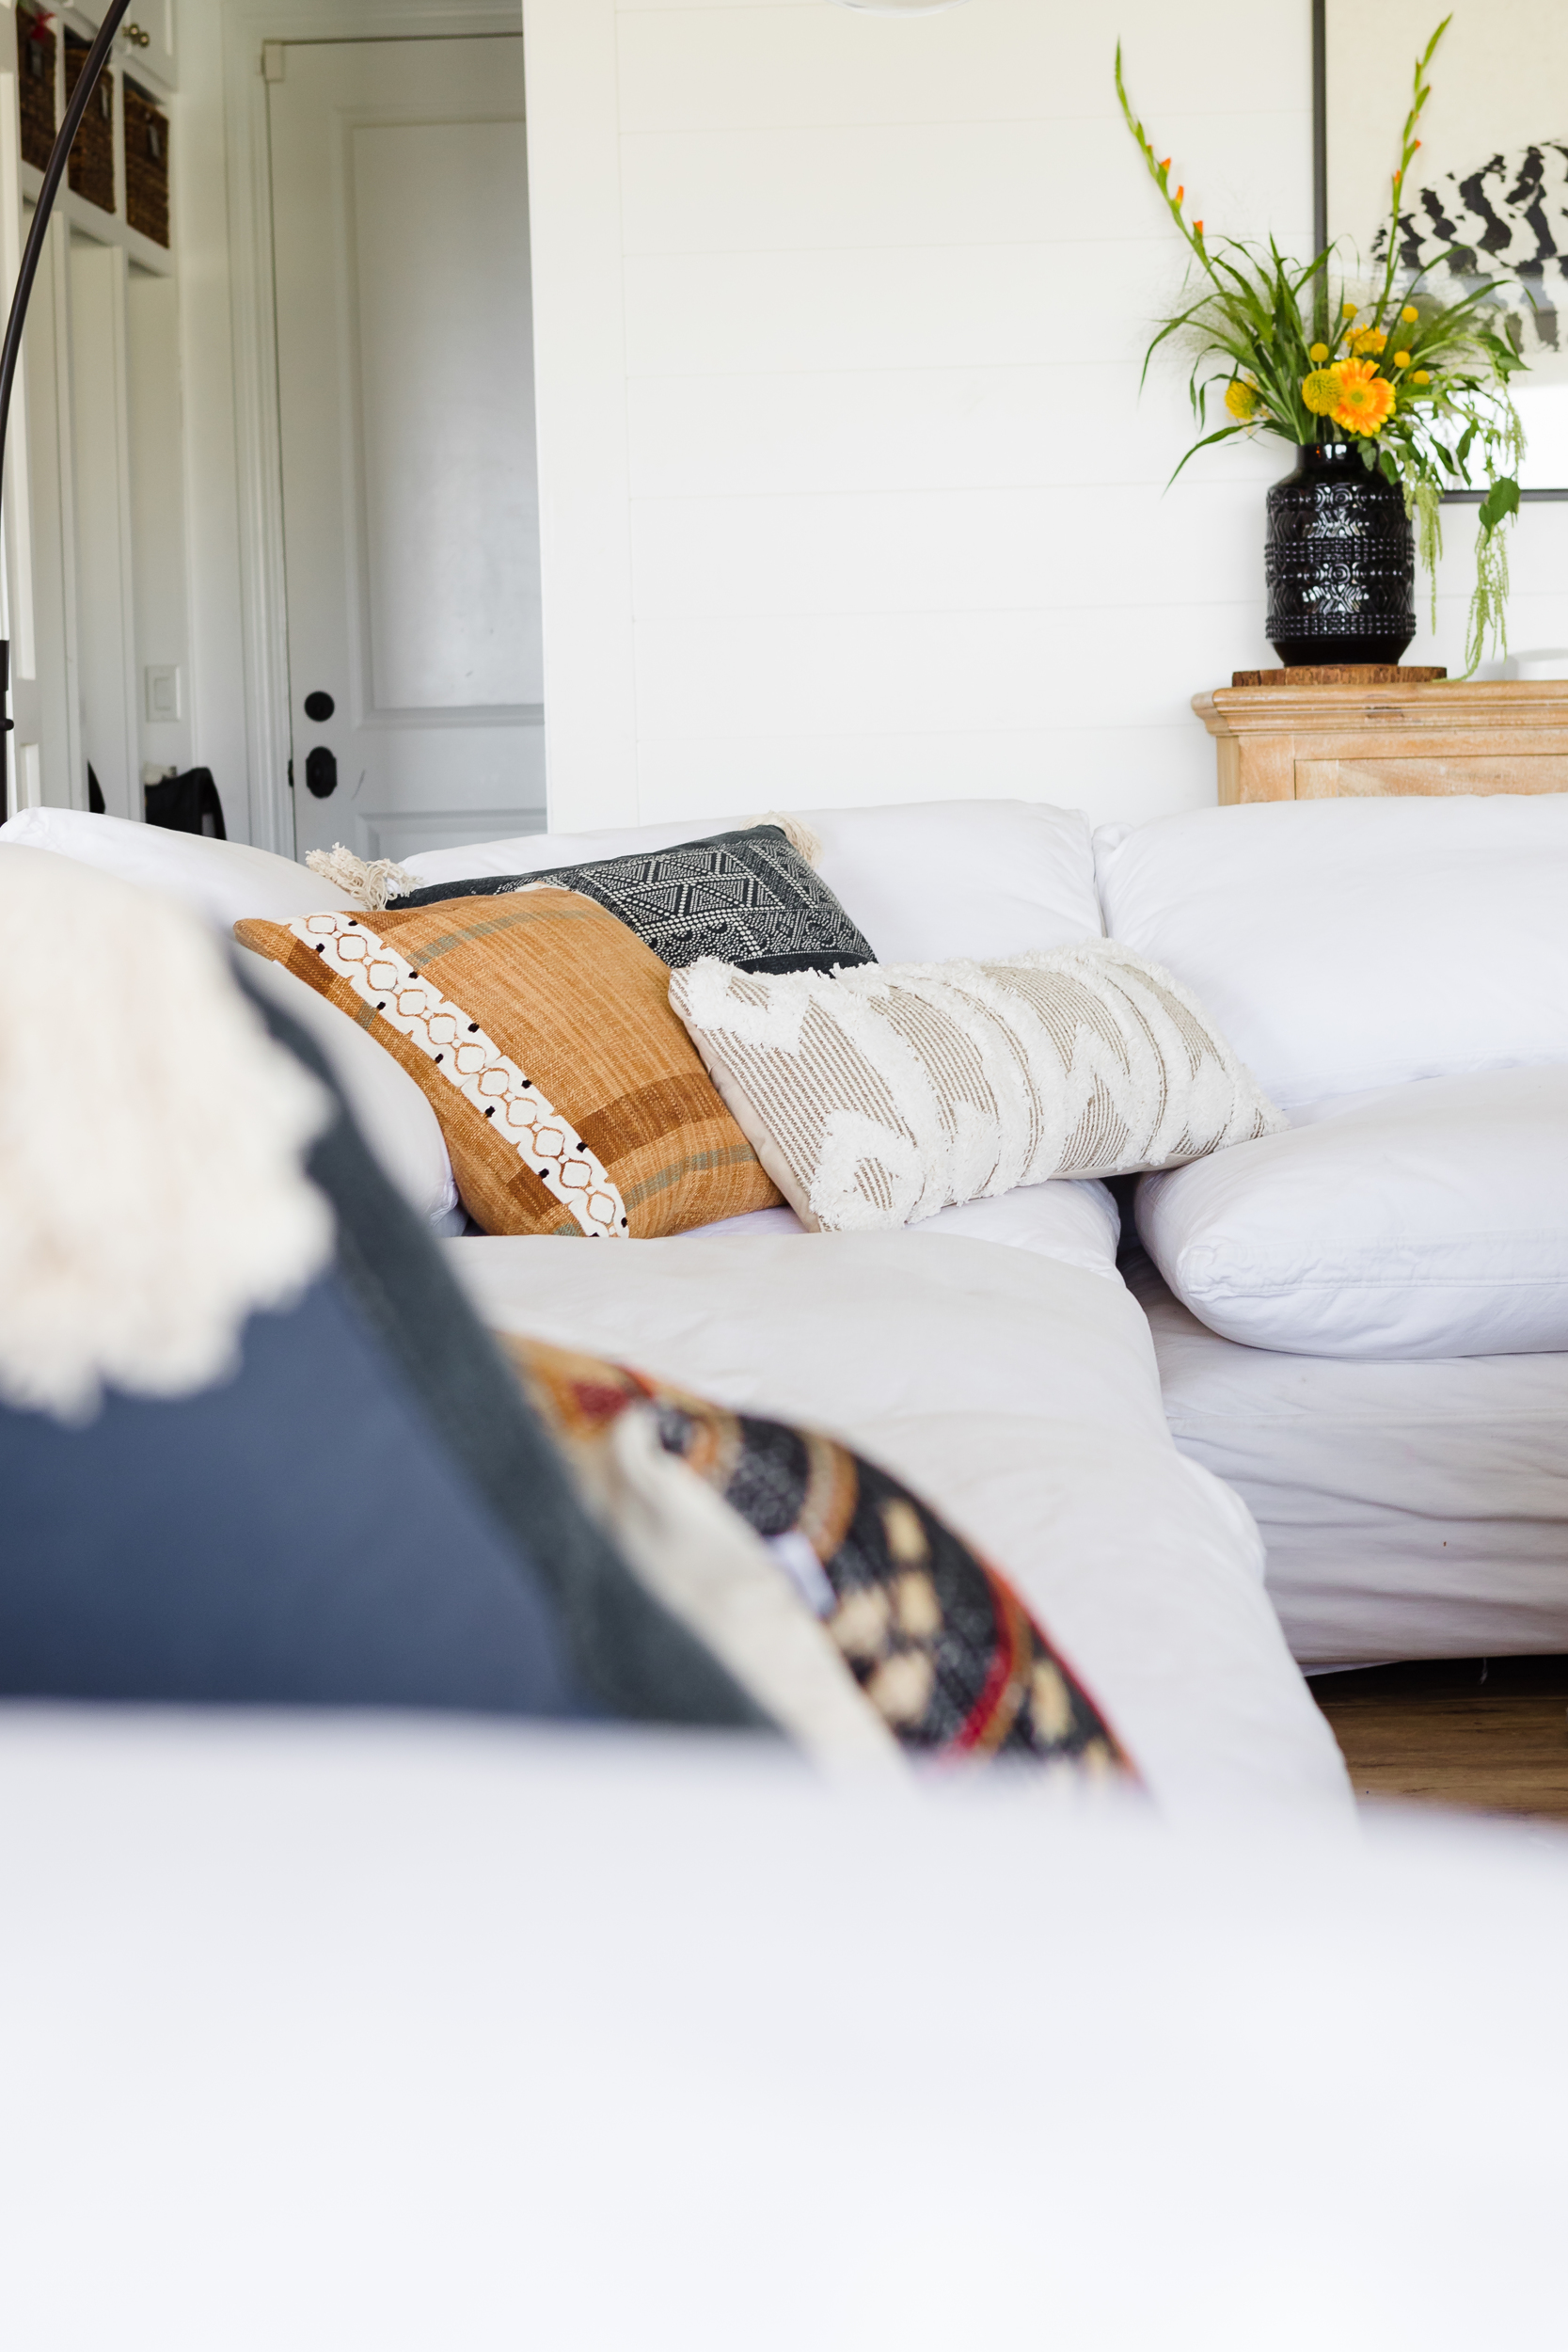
x=571, y=1097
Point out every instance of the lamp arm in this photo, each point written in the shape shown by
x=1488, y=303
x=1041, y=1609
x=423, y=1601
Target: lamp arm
x=10, y=350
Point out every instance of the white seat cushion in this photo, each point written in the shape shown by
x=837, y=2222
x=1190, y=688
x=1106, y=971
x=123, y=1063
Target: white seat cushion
x=925, y=882
x=1075, y=1220
x=1019, y=1397
x=225, y=881
x=1421, y=1221
x=1344, y=944
x=1409, y=1510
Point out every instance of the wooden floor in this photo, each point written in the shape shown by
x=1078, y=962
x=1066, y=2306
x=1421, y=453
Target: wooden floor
x=1488, y=1734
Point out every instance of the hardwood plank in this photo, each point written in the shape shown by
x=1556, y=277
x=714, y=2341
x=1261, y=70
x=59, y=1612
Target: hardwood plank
x=1484, y=1735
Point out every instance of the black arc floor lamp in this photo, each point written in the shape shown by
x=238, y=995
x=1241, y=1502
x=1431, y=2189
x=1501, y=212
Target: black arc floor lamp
x=10, y=351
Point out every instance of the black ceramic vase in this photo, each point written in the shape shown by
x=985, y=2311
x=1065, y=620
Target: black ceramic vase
x=1340, y=561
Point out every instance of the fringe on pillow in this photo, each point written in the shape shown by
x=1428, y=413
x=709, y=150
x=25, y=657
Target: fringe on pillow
x=796, y=831
x=371, y=881
x=153, y=1191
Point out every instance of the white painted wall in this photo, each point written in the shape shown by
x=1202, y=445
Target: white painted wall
x=848, y=494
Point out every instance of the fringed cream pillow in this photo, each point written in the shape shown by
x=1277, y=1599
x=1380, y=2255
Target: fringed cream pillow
x=875, y=1097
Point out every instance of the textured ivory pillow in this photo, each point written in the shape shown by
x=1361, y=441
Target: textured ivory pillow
x=877, y=1097
x=538, y=1027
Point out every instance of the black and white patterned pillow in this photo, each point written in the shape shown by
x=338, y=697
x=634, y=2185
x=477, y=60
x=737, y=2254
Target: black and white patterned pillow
x=750, y=898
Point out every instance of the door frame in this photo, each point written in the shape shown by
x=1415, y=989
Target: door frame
x=251, y=27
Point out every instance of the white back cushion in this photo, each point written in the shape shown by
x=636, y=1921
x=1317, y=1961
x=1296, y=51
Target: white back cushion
x=225, y=881
x=1423, y=1220
x=925, y=883
x=390, y=1111
x=1345, y=944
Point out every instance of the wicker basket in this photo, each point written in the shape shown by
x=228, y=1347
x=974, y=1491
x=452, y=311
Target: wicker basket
x=146, y=164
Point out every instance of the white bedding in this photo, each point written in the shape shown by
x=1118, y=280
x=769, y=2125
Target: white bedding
x=1409, y=1509
x=1020, y=1395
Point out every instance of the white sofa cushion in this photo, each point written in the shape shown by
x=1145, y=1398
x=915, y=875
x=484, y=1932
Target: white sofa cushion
x=1421, y=1221
x=1345, y=944
x=1016, y=1396
x=925, y=883
x=225, y=881
x=1075, y=1220
x=391, y=1113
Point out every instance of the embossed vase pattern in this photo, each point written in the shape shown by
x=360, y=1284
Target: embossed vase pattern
x=1340, y=561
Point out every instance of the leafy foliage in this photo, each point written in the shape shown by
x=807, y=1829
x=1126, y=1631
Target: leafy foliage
x=1420, y=385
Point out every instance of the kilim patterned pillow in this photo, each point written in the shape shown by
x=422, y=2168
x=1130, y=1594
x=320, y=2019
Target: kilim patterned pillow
x=539, y=1028
x=881, y=1096
x=747, y=897
x=942, y=1647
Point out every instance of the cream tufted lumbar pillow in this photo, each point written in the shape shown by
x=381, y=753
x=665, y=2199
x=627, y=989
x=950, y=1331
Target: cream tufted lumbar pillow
x=875, y=1097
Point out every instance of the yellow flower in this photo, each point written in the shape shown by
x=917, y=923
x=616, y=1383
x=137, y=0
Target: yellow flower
x=1242, y=400
x=1321, y=390
x=1421, y=376
x=1366, y=339
x=1366, y=400
x=1347, y=310
x=1410, y=315
x=1317, y=354
x=1401, y=358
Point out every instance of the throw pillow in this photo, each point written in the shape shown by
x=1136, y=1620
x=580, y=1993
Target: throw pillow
x=877, y=1097
x=571, y=1098
x=948, y=1658
x=747, y=897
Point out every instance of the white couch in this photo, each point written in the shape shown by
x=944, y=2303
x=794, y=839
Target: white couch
x=1361, y=1325
x=992, y=1356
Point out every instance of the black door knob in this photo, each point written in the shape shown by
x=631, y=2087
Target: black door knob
x=321, y=772
x=319, y=707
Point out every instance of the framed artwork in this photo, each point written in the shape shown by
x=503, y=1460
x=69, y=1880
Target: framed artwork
x=1491, y=179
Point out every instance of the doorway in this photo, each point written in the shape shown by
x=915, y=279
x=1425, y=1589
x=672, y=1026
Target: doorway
x=406, y=395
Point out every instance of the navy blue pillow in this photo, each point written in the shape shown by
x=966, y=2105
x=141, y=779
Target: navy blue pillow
x=367, y=1514
x=748, y=898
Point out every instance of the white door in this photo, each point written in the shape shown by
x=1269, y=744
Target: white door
x=410, y=494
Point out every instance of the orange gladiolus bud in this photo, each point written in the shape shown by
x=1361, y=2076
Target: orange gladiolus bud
x=1166, y=165
x=1179, y=194
x=1197, y=228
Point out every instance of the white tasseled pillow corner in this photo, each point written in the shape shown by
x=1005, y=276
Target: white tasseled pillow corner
x=875, y=1097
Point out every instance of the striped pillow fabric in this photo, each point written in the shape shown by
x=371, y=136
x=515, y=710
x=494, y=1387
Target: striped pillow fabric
x=877, y=1097
x=539, y=1028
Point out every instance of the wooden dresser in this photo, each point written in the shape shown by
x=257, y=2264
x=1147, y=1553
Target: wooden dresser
x=1316, y=742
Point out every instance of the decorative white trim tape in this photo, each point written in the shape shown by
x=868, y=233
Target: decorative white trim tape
x=474, y=1064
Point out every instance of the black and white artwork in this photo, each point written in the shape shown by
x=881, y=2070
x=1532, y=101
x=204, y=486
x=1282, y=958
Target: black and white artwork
x=1487, y=196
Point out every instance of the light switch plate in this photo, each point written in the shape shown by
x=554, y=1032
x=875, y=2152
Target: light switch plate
x=162, y=692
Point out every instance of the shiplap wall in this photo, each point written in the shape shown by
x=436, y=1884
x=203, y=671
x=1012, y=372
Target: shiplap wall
x=850, y=493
